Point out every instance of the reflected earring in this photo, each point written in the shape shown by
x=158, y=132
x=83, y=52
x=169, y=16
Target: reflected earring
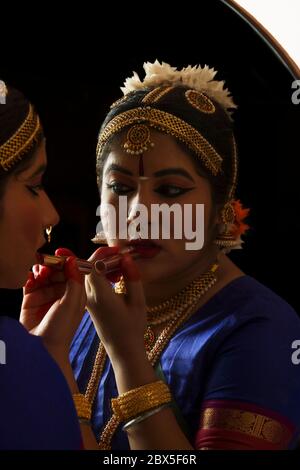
x=48, y=232
x=100, y=239
x=232, y=226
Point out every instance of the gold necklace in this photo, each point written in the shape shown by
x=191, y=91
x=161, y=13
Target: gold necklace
x=179, y=308
x=175, y=306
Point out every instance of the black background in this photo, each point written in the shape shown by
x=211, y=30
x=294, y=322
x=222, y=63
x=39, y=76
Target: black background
x=71, y=64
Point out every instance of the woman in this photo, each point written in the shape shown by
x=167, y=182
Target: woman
x=36, y=407
x=193, y=352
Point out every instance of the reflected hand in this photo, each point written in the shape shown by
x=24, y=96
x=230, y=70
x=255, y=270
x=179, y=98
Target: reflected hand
x=120, y=320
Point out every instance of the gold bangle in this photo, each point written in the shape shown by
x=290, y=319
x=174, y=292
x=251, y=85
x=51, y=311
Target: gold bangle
x=83, y=407
x=143, y=416
x=141, y=399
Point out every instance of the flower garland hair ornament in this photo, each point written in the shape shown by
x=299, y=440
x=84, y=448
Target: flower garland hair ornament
x=197, y=78
x=3, y=92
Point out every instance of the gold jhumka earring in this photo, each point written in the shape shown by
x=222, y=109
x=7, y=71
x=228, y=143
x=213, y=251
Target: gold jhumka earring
x=226, y=238
x=232, y=226
x=48, y=232
x=100, y=239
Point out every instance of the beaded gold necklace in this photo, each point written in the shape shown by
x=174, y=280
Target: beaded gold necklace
x=174, y=312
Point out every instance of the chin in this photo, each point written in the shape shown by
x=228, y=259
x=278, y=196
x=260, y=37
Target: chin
x=13, y=284
x=150, y=272
x=19, y=281
x=14, y=273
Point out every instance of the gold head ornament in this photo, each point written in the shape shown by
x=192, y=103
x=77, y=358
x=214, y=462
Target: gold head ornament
x=22, y=141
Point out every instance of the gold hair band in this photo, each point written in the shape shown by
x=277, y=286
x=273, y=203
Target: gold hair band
x=21, y=141
x=169, y=124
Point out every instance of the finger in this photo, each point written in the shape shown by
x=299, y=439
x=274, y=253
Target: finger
x=45, y=285
x=39, y=281
x=72, y=272
x=41, y=273
x=42, y=295
x=34, y=281
x=103, y=252
x=74, y=299
x=30, y=283
x=64, y=252
x=36, y=269
x=98, y=288
x=132, y=279
x=58, y=276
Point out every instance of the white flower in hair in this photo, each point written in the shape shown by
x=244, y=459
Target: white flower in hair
x=3, y=92
x=197, y=77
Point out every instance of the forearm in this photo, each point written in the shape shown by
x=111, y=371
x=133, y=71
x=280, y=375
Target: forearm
x=88, y=438
x=158, y=431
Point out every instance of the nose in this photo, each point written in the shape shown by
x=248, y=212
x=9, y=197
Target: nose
x=141, y=201
x=50, y=214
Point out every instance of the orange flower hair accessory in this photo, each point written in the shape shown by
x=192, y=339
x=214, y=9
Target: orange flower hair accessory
x=240, y=214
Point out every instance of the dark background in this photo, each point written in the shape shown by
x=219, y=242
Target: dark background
x=71, y=65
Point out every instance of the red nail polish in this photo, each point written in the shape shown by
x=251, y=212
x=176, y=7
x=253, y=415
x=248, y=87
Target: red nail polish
x=130, y=269
x=71, y=270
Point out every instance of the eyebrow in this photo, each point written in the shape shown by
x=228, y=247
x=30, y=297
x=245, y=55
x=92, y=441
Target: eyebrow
x=38, y=171
x=157, y=174
x=174, y=171
x=120, y=169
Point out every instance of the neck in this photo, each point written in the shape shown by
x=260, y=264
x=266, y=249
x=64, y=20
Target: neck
x=162, y=289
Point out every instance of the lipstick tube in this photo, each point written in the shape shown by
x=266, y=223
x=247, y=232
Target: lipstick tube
x=104, y=266
x=112, y=263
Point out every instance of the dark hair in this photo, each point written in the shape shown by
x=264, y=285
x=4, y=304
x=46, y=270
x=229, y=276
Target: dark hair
x=12, y=115
x=217, y=129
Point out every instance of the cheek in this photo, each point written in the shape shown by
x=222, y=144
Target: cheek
x=109, y=218
x=20, y=237
x=29, y=225
x=201, y=217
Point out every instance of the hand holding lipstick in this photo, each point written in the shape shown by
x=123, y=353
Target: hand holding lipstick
x=53, y=305
x=120, y=320
x=109, y=266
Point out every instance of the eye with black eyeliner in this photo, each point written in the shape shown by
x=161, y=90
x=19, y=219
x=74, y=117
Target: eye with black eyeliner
x=171, y=190
x=35, y=189
x=120, y=189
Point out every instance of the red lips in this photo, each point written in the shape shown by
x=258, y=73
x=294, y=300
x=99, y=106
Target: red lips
x=145, y=248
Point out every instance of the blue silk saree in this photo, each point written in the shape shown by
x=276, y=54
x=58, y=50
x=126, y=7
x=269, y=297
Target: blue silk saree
x=229, y=368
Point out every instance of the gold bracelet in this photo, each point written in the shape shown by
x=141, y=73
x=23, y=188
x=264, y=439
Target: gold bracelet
x=83, y=407
x=141, y=399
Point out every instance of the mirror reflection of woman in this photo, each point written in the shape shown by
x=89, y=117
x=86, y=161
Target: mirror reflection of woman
x=36, y=407
x=193, y=353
